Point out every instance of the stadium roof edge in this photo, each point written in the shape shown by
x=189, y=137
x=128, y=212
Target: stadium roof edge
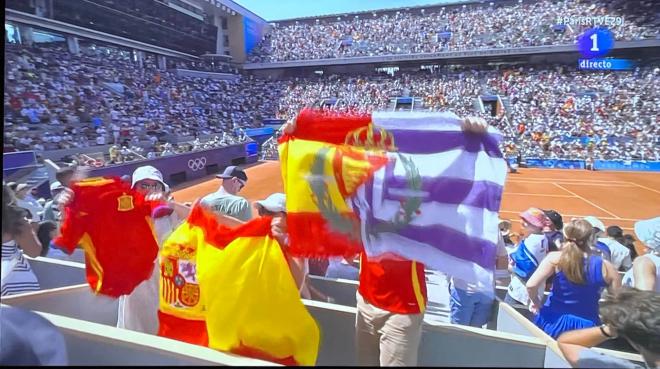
x=57, y=26
x=214, y=5
x=246, y=10
x=431, y=5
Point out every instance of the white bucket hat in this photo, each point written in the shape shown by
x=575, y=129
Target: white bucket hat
x=147, y=172
x=595, y=222
x=56, y=186
x=274, y=203
x=648, y=231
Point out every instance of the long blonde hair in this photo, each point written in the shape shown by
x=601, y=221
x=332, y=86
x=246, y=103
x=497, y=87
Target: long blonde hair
x=577, y=238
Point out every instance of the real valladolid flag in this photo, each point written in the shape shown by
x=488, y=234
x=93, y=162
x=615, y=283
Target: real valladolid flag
x=231, y=289
x=435, y=200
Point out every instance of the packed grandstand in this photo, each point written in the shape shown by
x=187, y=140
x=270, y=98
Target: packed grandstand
x=159, y=96
x=439, y=28
x=548, y=110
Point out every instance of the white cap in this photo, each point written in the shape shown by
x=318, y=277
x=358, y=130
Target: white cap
x=595, y=222
x=274, y=203
x=56, y=186
x=648, y=231
x=21, y=187
x=147, y=172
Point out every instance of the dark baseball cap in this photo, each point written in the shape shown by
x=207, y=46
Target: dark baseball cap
x=233, y=171
x=614, y=231
x=555, y=218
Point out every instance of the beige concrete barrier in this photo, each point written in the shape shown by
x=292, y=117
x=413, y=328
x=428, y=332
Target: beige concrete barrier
x=78, y=302
x=445, y=344
x=94, y=344
x=341, y=290
x=510, y=320
x=54, y=273
x=441, y=343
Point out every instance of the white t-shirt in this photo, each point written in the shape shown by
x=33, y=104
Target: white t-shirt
x=517, y=288
x=629, y=278
x=620, y=253
x=139, y=310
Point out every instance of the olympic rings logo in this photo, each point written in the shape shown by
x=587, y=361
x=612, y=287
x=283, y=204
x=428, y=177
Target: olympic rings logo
x=197, y=164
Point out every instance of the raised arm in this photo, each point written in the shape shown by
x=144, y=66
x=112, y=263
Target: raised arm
x=644, y=274
x=611, y=276
x=27, y=239
x=545, y=270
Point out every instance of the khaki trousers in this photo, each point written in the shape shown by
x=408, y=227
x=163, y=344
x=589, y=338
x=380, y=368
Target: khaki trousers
x=384, y=338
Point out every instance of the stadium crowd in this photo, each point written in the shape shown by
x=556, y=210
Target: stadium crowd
x=555, y=268
x=55, y=100
x=437, y=29
x=550, y=113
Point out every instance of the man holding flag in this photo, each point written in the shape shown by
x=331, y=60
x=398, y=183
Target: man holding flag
x=392, y=291
x=391, y=301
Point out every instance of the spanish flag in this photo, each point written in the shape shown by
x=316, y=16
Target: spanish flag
x=323, y=167
x=246, y=300
x=181, y=312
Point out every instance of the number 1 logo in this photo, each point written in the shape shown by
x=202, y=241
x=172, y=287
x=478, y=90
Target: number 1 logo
x=595, y=43
x=594, y=39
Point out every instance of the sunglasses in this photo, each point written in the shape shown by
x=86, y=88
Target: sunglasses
x=241, y=182
x=147, y=186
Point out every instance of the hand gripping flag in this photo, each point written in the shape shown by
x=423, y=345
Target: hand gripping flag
x=435, y=200
x=247, y=297
x=113, y=225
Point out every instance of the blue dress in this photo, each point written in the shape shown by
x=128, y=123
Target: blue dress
x=573, y=306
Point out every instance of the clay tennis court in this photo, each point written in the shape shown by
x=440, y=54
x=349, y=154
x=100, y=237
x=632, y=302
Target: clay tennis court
x=617, y=198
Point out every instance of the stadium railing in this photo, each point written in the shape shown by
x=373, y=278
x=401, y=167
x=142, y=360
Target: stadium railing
x=626, y=165
x=67, y=294
x=88, y=321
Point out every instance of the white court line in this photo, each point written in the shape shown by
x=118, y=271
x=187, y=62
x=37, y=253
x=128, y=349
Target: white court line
x=533, y=194
x=585, y=200
x=572, y=180
x=644, y=187
x=569, y=182
x=575, y=216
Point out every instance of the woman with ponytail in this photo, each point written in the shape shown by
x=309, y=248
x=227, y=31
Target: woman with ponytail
x=580, y=277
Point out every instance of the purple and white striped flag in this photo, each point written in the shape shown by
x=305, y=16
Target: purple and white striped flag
x=437, y=202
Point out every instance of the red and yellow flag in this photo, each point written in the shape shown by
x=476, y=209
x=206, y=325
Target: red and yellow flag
x=181, y=310
x=245, y=300
x=323, y=168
